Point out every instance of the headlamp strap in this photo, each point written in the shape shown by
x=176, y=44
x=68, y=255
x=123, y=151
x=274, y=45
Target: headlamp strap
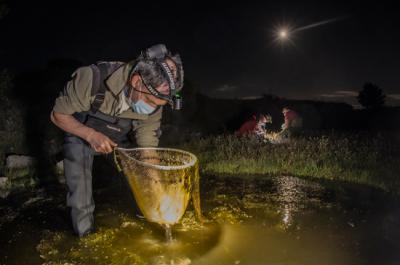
x=155, y=93
x=170, y=76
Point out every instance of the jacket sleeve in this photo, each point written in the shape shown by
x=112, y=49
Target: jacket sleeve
x=147, y=131
x=76, y=95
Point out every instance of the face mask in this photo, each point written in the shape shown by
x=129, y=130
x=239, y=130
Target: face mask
x=142, y=107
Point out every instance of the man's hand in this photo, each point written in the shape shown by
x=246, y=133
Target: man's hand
x=100, y=142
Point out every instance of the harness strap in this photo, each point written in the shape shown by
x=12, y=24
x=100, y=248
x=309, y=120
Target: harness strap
x=101, y=71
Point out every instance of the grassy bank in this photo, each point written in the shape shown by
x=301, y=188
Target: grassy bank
x=358, y=158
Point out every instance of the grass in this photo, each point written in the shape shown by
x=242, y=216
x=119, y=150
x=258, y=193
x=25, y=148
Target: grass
x=358, y=158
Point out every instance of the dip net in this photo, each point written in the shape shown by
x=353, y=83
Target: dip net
x=162, y=180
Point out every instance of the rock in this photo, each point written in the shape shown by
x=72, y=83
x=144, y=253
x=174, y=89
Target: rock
x=3, y=182
x=60, y=172
x=19, y=161
x=4, y=187
x=60, y=166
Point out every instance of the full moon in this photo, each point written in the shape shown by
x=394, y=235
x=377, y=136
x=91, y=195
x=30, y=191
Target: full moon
x=283, y=34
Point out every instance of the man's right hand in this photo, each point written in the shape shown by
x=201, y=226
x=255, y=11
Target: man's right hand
x=100, y=142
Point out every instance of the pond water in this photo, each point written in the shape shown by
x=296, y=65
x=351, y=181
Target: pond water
x=254, y=220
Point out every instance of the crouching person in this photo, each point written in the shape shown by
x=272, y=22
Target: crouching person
x=97, y=109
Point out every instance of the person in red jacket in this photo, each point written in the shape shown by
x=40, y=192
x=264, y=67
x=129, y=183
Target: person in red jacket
x=255, y=126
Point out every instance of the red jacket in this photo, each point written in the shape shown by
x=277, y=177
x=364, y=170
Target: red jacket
x=248, y=127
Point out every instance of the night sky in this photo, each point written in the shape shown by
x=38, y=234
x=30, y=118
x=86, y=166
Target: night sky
x=227, y=50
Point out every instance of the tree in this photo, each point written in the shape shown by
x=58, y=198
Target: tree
x=3, y=9
x=371, y=96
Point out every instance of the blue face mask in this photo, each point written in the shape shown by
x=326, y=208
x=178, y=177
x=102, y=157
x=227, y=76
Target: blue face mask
x=142, y=107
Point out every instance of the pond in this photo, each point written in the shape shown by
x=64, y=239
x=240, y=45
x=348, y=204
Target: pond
x=254, y=220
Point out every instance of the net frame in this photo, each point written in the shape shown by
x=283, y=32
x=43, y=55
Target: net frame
x=192, y=161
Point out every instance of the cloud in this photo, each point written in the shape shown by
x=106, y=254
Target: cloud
x=330, y=96
x=340, y=94
x=226, y=88
x=250, y=97
x=394, y=96
x=347, y=93
x=345, y=96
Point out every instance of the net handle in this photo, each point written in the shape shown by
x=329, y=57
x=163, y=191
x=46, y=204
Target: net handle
x=119, y=168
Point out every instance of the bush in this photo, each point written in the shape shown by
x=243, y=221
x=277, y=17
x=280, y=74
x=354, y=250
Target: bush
x=12, y=127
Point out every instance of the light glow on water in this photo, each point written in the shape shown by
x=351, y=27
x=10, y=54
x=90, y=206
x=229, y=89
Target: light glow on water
x=284, y=220
x=170, y=209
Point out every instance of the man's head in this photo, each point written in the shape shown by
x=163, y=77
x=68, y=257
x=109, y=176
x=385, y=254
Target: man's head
x=156, y=77
x=264, y=118
x=285, y=110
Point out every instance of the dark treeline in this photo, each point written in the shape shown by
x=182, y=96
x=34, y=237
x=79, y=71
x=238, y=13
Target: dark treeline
x=212, y=115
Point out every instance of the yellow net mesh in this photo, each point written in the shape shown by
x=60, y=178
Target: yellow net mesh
x=162, y=181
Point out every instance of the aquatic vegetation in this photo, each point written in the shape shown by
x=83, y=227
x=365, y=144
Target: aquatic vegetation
x=133, y=242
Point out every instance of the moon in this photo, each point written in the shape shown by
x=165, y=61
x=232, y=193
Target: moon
x=283, y=34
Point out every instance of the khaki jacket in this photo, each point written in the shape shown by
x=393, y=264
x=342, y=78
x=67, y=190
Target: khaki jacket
x=76, y=97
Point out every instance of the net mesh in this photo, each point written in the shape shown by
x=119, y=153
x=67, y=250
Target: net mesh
x=162, y=181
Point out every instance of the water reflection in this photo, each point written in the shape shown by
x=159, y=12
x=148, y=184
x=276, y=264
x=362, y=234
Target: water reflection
x=287, y=216
x=292, y=195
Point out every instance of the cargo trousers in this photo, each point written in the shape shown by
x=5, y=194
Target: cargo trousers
x=78, y=164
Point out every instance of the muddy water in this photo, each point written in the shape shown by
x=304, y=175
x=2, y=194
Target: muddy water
x=260, y=220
